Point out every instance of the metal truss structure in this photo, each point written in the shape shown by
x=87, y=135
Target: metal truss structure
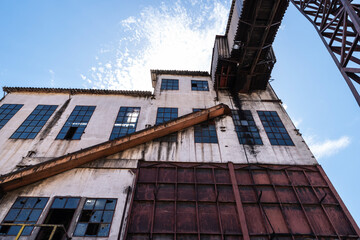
x=338, y=24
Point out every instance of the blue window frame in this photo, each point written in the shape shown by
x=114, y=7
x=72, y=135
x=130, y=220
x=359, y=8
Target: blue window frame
x=76, y=123
x=205, y=132
x=197, y=85
x=96, y=217
x=25, y=210
x=164, y=115
x=34, y=122
x=126, y=122
x=245, y=127
x=274, y=128
x=169, y=84
x=7, y=111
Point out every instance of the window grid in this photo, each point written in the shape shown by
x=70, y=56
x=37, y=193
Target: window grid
x=96, y=217
x=34, y=122
x=76, y=123
x=7, y=111
x=25, y=210
x=164, y=115
x=274, y=128
x=65, y=203
x=125, y=122
x=169, y=84
x=197, y=85
x=205, y=132
x=245, y=128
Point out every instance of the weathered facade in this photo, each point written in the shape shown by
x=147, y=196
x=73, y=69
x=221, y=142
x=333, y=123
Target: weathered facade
x=122, y=176
x=203, y=156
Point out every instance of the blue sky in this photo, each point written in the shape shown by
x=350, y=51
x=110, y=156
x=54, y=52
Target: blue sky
x=113, y=44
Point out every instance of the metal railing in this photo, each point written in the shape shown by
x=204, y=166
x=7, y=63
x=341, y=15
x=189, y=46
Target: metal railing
x=54, y=228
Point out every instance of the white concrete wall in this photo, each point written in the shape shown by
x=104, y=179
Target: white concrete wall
x=108, y=178
x=109, y=181
x=13, y=151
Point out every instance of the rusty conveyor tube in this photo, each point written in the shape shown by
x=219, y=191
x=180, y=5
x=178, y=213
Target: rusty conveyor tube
x=67, y=162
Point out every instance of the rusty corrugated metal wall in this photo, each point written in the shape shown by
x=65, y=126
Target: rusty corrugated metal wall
x=236, y=201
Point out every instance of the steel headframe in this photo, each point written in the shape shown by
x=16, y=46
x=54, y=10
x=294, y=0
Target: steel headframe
x=338, y=24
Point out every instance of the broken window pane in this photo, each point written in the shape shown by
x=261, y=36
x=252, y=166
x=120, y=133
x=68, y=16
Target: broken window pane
x=245, y=127
x=197, y=85
x=76, y=123
x=103, y=230
x=110, y=204
x=92, y=218
x=96, y=216
x=89, y=204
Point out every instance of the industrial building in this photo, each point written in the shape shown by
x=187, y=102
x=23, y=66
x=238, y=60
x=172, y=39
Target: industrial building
x=204, y=156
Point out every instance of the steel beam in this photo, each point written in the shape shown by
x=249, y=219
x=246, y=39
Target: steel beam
x=338, y=25
x=70, y=161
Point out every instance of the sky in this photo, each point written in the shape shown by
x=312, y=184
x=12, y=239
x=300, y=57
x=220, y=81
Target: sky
x=114, y=44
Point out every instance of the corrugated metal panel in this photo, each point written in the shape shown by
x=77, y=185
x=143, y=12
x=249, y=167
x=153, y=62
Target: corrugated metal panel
x=227, y=201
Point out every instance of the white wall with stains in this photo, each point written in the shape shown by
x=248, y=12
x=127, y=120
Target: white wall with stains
x=108, y=178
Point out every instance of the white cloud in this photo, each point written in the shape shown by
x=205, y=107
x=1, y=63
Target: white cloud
x=327, y=148
x=178, y=35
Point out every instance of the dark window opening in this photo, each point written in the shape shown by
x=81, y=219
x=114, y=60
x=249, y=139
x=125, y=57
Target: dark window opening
x=92, y=229
x=197, y=85
x=245, y=127
x=70, y=133
x=58, y=217
x=76, y=123
x=61, y=213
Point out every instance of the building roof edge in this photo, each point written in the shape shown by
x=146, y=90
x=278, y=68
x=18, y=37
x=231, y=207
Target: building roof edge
x=78, y=91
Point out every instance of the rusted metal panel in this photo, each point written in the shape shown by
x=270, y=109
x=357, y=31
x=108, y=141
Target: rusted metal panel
x=236, y=201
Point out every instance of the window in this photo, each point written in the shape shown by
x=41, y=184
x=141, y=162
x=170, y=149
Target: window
x=245, y=127
x=34, y=122
x=125, y=122
x=76, y=123
x=274, y=128
x=199, y=85
x=7, y=111
x=205, y=132
x=61, y=212
x=96, y=217
x=169, y=84
x=25, y=210
x=165, y=115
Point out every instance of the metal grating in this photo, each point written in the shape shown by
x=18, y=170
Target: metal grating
x=227, y=201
